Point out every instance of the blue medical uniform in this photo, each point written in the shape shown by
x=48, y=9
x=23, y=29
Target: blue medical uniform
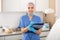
x=24, y=22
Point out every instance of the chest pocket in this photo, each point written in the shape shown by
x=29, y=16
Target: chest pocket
x=36, y=21
x=26, y=23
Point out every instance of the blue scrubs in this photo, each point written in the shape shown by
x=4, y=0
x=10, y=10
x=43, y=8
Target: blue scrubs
x=24, y=22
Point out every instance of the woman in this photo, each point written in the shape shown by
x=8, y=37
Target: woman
x=28, y=32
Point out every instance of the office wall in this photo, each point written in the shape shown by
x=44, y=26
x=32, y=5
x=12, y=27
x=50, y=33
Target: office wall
x=12, y=19
x=0, y=5
x=57, y=9
x=21, y=5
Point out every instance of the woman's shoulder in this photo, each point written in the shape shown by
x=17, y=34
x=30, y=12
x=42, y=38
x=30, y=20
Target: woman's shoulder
x=36, y=16
x=23, y=16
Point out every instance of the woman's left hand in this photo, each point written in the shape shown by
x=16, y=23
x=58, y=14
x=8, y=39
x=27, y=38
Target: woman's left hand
x=38, y=31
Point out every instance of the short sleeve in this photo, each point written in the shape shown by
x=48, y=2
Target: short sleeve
x=21, y=23
x=39, y=20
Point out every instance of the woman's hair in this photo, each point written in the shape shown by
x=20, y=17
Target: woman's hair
x=31, y=3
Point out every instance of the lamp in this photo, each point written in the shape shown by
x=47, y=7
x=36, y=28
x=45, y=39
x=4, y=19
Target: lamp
x=48, y=11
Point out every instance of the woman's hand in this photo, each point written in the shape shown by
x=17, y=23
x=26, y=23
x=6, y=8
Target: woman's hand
x=38, y=31
x=27, y=28
x=24, y=30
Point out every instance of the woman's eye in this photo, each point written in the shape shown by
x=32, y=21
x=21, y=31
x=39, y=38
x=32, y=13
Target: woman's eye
x=30, y=7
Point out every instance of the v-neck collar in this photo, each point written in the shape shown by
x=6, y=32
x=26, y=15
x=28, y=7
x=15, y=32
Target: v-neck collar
x=29, y=18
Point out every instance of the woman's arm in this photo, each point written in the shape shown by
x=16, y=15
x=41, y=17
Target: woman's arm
x=38, y=31
x=24, y=30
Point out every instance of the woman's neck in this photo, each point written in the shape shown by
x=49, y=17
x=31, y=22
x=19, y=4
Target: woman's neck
x=30, y=17
x=30, y=14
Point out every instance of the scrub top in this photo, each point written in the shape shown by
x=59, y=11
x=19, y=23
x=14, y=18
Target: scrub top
x=24, y=22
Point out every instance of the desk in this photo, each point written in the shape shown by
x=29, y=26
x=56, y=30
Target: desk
x=18, y=35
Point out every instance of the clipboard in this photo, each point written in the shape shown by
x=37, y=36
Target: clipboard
x=37, y=25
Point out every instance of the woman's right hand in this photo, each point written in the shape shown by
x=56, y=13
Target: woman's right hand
x=24, y=30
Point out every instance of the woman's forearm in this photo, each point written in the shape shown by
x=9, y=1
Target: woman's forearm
x=24, y=30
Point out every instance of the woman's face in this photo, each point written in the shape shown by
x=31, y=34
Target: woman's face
x=30, y=8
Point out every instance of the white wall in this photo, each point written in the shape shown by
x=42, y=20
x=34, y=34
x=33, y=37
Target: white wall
x=42, y=4
x=0, y=5
x=58, y=9
x=12, y=19
x=11, y=6
x=21, y=5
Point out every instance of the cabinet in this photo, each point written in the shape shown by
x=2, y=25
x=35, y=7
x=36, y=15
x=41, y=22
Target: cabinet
x=15, y=5
x=11, y=5
x=18, y=36
x=15, y=37
x=21, y=5
x=1, y=38
x=44, y=34
x=43, y=38
x=41, y=4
